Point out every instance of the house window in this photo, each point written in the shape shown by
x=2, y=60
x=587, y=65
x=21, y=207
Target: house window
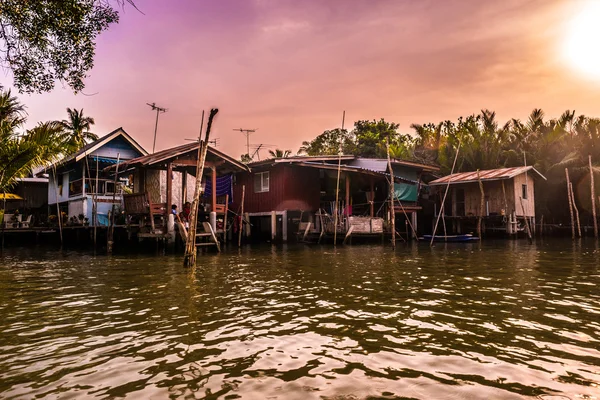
x=524, y=192
x=261, y=182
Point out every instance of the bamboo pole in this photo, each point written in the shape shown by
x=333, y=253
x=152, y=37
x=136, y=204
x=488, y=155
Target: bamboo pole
x=570, y=204
x=445, y=194
x=190, y=248
x=576, y=209
x=111, y=229
x=526, y=221
x=481, y=205
x=392, y=193
x=337, y=187
x=240, y=228
x=593, y=198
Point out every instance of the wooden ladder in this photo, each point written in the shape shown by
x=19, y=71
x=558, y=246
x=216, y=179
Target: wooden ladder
x=208, y=233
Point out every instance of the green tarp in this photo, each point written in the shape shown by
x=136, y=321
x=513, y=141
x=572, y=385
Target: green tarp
x=405, y=192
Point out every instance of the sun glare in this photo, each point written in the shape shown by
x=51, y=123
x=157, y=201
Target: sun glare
x=582, y=43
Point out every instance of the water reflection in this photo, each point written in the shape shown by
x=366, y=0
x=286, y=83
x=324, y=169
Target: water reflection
x=497, y=320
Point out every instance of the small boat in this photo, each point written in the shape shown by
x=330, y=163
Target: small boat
x=451, y=238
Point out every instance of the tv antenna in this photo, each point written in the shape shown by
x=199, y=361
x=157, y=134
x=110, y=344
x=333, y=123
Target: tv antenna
x=256, y=152
x=214, y=142
x=158, y=111
x=247, y=132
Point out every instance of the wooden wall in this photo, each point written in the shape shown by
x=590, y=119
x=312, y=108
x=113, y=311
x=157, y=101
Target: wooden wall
x=495, y=197
x=290, y=188
x=528, y=203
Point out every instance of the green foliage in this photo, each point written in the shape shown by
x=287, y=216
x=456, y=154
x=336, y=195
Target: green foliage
x=327, y=143
x=245, y=158
x=367, y=139
x=77, y=129
x=48, y=40
x=22, y=152
x=278, y=153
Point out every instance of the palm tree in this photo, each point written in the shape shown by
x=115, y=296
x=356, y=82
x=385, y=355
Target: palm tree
x=278, y=153
x=78, y=129
x=21, y=152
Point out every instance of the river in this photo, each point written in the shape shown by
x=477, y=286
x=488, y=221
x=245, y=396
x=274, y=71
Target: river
x=500, y=320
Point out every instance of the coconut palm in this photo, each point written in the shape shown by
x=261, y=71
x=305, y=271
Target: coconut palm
x=278, y=153
x=77, y=127
x=21, y=152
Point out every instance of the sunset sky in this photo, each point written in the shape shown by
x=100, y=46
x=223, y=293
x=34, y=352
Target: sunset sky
x=289, y=68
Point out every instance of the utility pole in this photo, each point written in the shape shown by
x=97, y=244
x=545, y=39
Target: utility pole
x=247, y=132
x=158, y=111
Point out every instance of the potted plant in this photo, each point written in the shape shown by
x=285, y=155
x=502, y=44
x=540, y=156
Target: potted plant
x=86, y=221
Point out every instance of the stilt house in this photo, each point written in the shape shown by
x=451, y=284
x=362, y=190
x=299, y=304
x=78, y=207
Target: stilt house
x=286, y=196
x=508, y=198
x=78, y=183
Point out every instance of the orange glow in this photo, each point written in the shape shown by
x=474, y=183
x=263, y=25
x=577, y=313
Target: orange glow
x=582, y=40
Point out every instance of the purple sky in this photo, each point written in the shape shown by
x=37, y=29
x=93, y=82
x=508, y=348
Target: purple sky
x=289, y=68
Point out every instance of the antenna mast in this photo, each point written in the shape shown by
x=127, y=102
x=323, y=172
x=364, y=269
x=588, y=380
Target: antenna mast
x=247, y=133
x=158, y=111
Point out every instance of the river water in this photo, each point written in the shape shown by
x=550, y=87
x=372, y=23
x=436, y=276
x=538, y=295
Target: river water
x=501, y=320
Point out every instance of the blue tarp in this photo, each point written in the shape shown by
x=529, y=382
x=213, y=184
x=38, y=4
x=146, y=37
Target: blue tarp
x=224, y=187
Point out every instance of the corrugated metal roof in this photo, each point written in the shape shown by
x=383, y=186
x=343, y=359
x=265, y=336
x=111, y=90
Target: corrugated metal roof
x=371, y=164
x=487, y=175
x=349, y=168
x=174, y=152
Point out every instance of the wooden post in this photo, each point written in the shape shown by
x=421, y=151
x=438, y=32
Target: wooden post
x=372, y=202
x=189, y=259
x=347, y=208
x=570, y=204
x=593, y=198
x=213, y=175
x=542, y=225
x=392, y=193
x=575, y=208
x=183, y=187
x=242, y=217
x=481, y=204
x=526, y=221
x=111, y=229
x=169, y=187
x=273, y=225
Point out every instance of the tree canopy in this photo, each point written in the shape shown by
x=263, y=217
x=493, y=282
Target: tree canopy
x=45, y=41
x=367, y=139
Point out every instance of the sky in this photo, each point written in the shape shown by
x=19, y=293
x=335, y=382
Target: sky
x=290, y=68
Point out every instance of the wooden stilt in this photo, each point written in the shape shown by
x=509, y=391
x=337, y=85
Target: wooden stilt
x=241, y=227
x=392, y=192
x=526, y=221
x=111, y=229
x=576, y=209
x=481, y=205
x=542, y=225
x=593, y=189
x=190, y=248
x=570, y=204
